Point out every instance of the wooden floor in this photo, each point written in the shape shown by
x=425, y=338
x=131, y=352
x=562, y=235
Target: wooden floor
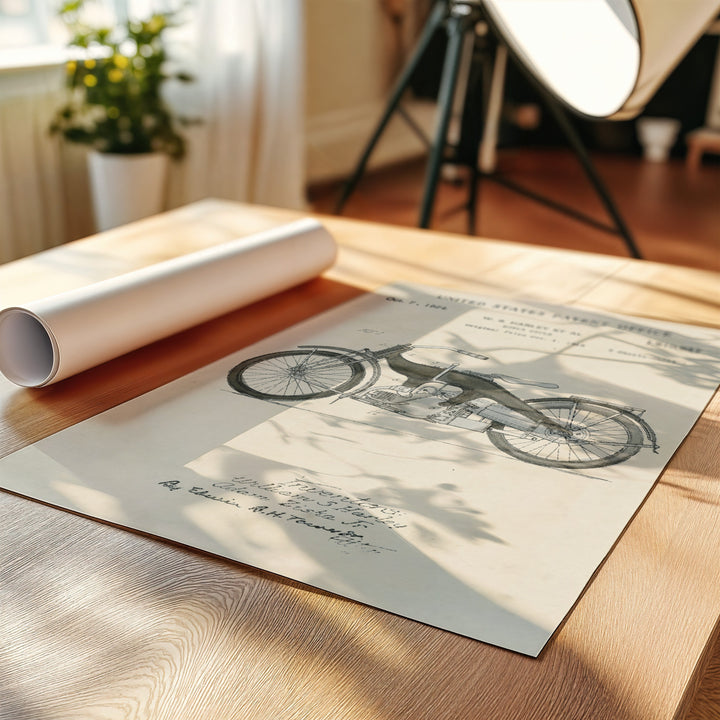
x=673, y=213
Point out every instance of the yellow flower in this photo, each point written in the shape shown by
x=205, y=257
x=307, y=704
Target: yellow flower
x=90, y=80
x=120, y=61
x=155, y=24
x=89, y=64
x=115, y=75
x=71, y=67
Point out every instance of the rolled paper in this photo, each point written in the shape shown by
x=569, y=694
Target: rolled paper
x=53, y=338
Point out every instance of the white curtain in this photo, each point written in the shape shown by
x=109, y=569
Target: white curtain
x=248, y=60
x=32, y=206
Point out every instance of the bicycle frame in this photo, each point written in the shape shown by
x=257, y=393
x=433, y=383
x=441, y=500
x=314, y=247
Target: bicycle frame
x=472, y=385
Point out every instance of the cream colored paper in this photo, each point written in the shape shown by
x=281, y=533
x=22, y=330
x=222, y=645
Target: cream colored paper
x=50, y=339
x=370, y=491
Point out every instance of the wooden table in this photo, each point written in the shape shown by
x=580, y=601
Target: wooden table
x=98, y=622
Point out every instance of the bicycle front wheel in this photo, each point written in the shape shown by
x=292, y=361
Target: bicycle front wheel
x=594, y=435
x=296, y=375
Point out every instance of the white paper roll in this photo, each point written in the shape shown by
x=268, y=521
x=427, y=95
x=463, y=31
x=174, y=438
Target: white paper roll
x=50, y=339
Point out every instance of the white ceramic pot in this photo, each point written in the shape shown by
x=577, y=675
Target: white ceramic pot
x=657, y=135
x=126, y=187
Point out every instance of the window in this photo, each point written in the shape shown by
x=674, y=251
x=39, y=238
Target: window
x=32, y=34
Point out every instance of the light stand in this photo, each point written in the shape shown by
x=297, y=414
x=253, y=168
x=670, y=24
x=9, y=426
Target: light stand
x=460, y=17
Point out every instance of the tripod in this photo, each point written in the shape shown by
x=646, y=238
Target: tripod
x=460, y=18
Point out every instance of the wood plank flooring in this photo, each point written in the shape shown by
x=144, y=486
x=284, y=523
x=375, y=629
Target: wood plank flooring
x=672, y=212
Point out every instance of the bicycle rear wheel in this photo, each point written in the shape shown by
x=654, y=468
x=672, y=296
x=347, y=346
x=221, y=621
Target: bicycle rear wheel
x=595, y=435
x=296, y=375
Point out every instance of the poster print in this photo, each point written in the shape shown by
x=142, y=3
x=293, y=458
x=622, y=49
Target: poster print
x=465, y=462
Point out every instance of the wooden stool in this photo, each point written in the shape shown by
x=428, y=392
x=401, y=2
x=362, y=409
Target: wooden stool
x=701, y=141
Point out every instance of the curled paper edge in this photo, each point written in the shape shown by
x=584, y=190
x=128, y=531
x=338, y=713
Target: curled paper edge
x=29, y=353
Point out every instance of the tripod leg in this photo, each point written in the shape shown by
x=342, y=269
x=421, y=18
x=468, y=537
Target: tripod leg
x=493, y=110
x=577, y=145
x=482, y=128
x=456, y=27
x=434, y=21
x=473, y=192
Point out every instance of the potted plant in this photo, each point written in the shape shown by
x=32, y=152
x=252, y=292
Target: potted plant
x=115, y=106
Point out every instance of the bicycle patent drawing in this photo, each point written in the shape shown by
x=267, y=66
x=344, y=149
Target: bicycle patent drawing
x=561, y=432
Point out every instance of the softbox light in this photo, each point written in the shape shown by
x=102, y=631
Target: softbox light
x=602, y=58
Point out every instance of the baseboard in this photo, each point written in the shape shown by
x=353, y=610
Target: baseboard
x=335, y=140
